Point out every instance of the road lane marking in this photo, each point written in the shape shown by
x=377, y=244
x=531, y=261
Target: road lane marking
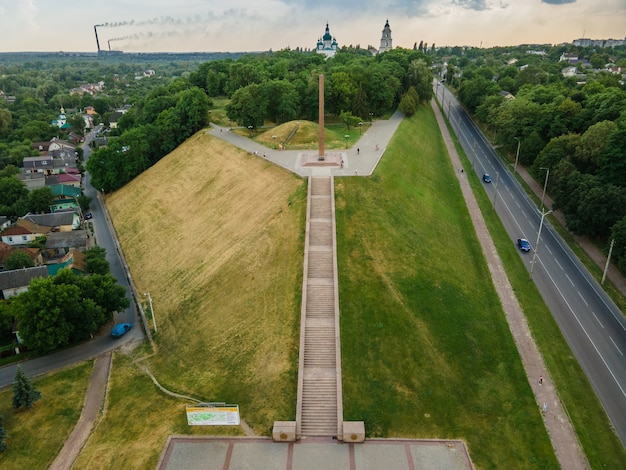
x=570, y=281
x=558, y=264
x=587, y=335
x=597, y=319
x=618, y=350
x=582, y=298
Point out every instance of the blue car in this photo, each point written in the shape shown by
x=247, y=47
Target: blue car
x=523, y=244
x=120, y=329
x=486, y=178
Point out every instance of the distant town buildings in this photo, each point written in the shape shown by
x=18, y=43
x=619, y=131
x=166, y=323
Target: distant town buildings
x=584, y=42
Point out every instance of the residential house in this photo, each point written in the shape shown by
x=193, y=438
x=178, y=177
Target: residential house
x=36, y=229
x=114, y=118
x=34, y=254
x=5, y=222
x=568, y=57
x=42, y=164
x=64, y=178
x=58, y=144
x=74, y=260
x=58, y=221
x=42, y=147
x=58, y=244
x=65, y=197
x=16, y=281
x=17, y=235
x=32, y=180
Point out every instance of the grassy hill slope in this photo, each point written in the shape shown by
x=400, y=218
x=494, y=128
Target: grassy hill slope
x=216, y=236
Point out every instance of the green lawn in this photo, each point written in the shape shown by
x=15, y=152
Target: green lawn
x=426, y=350
x=36, y=436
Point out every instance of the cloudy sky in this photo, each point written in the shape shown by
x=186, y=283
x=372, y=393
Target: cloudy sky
x=256, y=25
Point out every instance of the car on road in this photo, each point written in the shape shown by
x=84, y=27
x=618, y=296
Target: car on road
x=486, y=178
x=88, y=216
x=120, y=329
x=523, y=244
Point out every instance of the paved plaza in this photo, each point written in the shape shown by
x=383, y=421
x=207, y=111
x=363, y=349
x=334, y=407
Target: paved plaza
x=205, y=453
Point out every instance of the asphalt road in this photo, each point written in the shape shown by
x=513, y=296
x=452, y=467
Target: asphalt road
x=593, y=326
x=103, y=341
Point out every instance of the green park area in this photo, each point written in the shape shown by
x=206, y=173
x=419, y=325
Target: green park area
x=217, y=237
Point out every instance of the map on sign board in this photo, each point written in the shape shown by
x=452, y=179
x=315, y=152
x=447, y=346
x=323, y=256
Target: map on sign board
x=208, y=414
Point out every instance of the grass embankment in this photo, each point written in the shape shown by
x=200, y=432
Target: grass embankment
x=36, y=436
x=600, y=443
x=426, y=350
x=217, y=237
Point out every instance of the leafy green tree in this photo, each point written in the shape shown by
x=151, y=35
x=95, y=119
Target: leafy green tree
x=349, y=119
x=40, y=200
x=248, y=106
x=24, y=393
x=592, y=146
x=96, y=260
x=84, y=202
x=618, y=233
x=612, y=162
x=78, y=124
x=557, y=149
x=18, y=260
x=473, y=92
x=283, y=102
x=13, y=197
x=6, y=122
x=420, y=77
x=43, y=313
x=409, y=102
x=340, y=91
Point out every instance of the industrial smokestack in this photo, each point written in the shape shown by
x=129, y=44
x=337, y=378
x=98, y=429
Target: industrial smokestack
x=95, y=30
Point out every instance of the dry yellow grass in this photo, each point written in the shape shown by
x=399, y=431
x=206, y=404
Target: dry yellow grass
x=216, y=236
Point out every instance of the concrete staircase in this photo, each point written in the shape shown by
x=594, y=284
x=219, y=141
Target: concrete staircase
x=319, y=409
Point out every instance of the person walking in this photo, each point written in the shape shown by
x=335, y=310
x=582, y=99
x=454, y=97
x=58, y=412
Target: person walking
x=541, y=380
x=358, y=150
x=545, y=408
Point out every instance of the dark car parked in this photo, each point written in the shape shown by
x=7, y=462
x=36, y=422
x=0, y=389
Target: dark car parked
x=486, y=178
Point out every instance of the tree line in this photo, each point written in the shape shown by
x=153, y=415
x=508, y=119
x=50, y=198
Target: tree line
x=573, y=127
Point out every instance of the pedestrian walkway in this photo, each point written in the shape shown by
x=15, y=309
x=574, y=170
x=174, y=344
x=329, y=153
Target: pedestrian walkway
x=319, y=406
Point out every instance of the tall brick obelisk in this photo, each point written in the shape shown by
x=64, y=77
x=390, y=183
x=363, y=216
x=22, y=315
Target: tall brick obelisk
x=320, y=138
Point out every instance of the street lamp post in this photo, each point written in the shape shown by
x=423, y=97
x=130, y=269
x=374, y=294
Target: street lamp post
x=371, y=116
x=545, y=184
x=532, y=263
x=360, y=128
x=519, y=142
x=250, y=128
x=151, y=310
x=274, y=137
x=346, y=137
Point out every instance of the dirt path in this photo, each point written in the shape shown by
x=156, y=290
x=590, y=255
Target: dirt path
x=560, y=430
x=91, y=409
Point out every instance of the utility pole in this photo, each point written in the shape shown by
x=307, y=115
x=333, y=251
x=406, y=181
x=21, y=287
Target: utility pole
x=532, y=263
x=608, y=260
x=152, y=311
